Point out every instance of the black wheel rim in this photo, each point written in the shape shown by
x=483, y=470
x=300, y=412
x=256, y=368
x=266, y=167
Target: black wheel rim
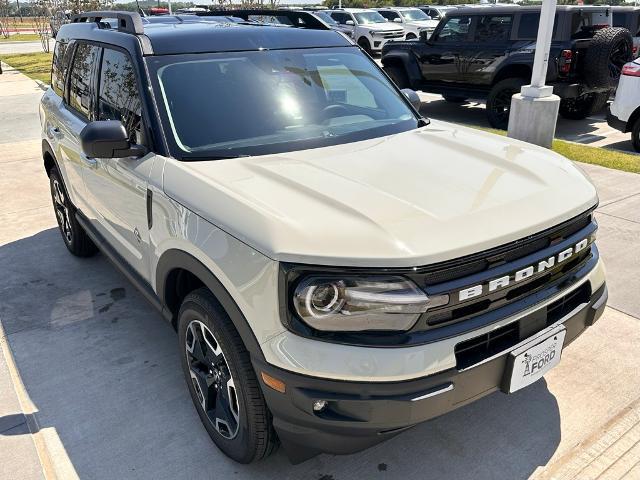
x=578, y=105
x=212, y=381
x=62, y=212
x=501, y=105
x=620, y=55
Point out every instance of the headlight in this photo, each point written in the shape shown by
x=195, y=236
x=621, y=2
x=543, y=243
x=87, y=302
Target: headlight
x=374, y=33
x=361, y=303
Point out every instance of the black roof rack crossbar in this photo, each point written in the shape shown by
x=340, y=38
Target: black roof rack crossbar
x=298, y=18
x=128, y=22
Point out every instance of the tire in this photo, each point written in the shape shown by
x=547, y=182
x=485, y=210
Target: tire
x=608, y=51
x=398, y=74
x=635, y=135
x=75, y=238
x=583, y=106
x=499, y=101
x=454, y=99
x=363, y=43
x=237, y=420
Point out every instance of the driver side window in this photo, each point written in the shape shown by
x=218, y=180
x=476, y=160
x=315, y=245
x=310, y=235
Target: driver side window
x=456, y=29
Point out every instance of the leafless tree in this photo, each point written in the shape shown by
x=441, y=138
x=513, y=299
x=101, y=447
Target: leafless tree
x=4, y=18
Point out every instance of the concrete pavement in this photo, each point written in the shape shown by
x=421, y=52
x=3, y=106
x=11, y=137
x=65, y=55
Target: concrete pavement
x=9, y=48
x=97, y=373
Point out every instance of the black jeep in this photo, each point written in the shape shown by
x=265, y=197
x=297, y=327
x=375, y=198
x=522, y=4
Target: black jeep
x=488, y=53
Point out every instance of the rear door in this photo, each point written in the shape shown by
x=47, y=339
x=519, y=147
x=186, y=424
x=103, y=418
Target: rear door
x=441, y=59
x=74, y=114
x=117, y=187
x=490, y=46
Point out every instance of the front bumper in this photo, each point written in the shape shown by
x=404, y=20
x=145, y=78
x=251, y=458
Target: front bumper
x=362, y=414
x=615, y=122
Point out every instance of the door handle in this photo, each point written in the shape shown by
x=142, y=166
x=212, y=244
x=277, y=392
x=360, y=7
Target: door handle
x=54, y=132
x=90, y=162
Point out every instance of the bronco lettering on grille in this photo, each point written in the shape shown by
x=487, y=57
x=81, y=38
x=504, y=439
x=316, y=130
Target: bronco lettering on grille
x=527, y=272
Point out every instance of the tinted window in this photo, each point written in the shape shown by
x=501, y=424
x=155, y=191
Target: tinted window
x=118, y=98
x=619, y=19
x=493, y=28
x=584, y=24
x=340, y=17
x=455, y=29
x=59, y=68
x=528, y=27
x=256, y=103
x=80, y=91
x=390, y=15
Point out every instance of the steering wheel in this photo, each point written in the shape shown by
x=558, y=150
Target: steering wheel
x=334, y=110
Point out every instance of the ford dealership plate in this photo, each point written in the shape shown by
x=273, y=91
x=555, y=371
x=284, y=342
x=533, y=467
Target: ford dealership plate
x=531, y=361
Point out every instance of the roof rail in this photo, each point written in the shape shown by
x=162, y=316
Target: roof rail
x=298, y=18
x=128, y=22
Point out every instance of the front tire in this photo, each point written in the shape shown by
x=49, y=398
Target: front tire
x=499, y=101
x=398, y=74
x=221, y=380
x=364, y=43
x=635, y=135
x=75, y=238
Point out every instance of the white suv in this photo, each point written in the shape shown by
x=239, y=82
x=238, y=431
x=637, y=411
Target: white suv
x=624, y=112
x=413, y=20
x=367, y=28
x=338, y=269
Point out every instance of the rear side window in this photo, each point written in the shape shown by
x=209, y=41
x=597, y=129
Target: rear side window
x=118, y=97
x=389, y=15
x=528, y=27
x=493, y=28
x=455, y=29
x=585, y=24
x=80, y=88
x=59, y=68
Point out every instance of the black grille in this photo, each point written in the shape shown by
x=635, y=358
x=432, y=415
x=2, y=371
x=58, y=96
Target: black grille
x=479, y=348
x=480, y=262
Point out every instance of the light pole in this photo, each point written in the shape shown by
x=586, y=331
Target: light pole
x=534, y=111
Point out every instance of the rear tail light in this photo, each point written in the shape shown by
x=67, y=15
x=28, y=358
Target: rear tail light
x=631, y=69
x=635, y=51
x=566, y=57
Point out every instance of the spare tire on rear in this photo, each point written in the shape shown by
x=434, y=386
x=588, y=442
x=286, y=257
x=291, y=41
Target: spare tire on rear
x=608, y=51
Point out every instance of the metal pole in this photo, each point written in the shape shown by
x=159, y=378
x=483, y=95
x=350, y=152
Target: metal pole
x=543, y=44
x=170, y=7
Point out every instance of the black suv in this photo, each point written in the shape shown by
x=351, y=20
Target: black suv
x=488, y=53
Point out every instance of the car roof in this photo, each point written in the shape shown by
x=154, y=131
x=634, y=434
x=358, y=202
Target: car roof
x=354, y=10
x=478, y=10
x=183, y=34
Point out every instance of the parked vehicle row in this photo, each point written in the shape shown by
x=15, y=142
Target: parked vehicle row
x=488, y=53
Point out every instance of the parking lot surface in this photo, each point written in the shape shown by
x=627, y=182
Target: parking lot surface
x=91, y=386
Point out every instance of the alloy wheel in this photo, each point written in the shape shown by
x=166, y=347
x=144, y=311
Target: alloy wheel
x=62, y=212
x=212, y=380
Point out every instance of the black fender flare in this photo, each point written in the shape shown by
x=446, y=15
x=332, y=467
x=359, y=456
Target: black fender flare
x=173, y=259
x=410, y=63
x=48, y=149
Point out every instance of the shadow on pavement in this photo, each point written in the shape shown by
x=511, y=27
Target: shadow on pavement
x=102, y=369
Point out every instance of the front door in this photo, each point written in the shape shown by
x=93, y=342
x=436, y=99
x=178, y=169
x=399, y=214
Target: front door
x=442, y=57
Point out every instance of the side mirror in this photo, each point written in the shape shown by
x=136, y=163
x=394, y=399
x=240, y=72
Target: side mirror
x=413, y=97
x=349, y=22
x=397, y=20
x=424, y=35
x=108, y=139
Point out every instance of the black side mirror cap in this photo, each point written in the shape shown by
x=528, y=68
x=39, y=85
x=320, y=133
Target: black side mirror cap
x=108, y=139
x=424, y=36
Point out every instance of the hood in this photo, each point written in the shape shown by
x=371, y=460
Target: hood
x=415, y=198
x=386, y=27
x=424, y=23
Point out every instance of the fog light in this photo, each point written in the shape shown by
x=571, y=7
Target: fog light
x=319, y=405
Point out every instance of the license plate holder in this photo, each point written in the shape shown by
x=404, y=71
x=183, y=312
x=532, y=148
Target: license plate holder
x=528, y=363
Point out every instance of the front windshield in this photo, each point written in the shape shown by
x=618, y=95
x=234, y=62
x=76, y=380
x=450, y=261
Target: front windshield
x=253, y=103
x=326, y=18
x=414, y=15
x=366, y=18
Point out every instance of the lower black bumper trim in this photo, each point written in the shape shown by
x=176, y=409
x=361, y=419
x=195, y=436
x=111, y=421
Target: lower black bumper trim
x=615, y=122
x=361, y=414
